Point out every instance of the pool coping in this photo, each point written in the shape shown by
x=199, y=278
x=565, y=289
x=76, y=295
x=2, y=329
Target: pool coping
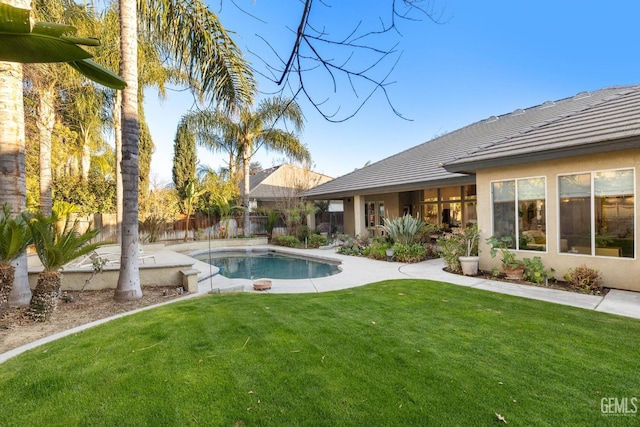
x=355, y=271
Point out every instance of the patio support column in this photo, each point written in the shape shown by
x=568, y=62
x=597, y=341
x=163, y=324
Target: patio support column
x=311, y=217
x=358, y=213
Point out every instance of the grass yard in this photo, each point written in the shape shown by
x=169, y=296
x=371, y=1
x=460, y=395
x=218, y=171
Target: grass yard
x=393, y=353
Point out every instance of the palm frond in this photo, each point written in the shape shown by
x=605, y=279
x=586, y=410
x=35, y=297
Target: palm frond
x=59, y=242
x=287, y=143
x=14, y=235
x=192, y=34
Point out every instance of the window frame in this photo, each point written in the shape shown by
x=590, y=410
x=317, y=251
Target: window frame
x=516, y=207
x=593, y=213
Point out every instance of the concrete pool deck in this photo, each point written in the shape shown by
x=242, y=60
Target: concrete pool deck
x=357, y=271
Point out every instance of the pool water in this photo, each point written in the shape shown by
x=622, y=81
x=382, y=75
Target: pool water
x=255, y=265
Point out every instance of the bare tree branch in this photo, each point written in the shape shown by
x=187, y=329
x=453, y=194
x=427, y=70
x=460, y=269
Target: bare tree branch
x=362, y=60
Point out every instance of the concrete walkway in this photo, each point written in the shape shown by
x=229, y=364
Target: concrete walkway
x=357, y=271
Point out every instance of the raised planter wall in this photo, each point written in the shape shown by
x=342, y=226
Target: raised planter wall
x=150, y=275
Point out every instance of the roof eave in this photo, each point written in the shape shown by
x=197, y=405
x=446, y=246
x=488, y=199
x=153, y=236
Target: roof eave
x=472, y=166
x=456, y=180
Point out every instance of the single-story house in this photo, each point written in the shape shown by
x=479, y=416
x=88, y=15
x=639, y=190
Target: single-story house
x=278, y=185
x=559, y=178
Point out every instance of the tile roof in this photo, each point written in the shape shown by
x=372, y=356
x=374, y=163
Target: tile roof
x=565, y=124
x=610, y=123
x=263, y=186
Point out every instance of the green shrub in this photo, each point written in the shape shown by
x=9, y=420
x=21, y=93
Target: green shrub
x=378, y=248
x=316, y=240
x=352, y=246
x=415, y=252
x=457, y=243
x=534, y=270
x=503, y=244
x=350, y=250
x=288, y=241
x=425, y=233
x=303, y=232
x=584, y=279
x=451, y=247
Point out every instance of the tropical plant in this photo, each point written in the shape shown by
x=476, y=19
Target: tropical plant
x=535, y=271
x=272, y=219
x=246, y=131
x=450, y=249
x=57, y=242
x=403, y=229
x=509, y=261
x=469, y=237
x=209, y=61
x=14, y=239
x=128, y=287
x=42, y=42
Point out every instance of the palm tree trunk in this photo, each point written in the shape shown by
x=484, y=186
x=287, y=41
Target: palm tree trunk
x=117, y=128
x=128, y=288
x=45, y=296
x=12, y=162
x=45, y=123
x=246, y=190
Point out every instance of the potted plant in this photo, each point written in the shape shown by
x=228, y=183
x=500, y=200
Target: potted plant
x=469, y=240
x=513, y=268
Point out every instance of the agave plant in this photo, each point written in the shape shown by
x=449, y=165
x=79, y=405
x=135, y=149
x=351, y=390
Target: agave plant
x=403, y=229
x=14, y=239
x=57, y=242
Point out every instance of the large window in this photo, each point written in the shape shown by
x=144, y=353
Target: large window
x=597, y=213
x=519, y=212
x=450, y=206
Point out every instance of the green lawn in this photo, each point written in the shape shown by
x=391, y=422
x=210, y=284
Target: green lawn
x=393, y=353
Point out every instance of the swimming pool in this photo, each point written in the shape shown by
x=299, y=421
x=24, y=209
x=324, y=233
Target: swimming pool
x=267, y=264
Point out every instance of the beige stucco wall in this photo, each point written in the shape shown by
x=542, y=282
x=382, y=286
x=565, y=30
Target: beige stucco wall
x=391, y=203
x=391, y=206
x=293, y=176
x=349, y=216
x=621, y=273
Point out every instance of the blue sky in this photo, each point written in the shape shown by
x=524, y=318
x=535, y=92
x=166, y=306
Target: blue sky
x=488, y=58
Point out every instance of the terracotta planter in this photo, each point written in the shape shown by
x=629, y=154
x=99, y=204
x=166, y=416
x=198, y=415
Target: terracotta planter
x=469, y=265
x=515, y=273
x=262, y=285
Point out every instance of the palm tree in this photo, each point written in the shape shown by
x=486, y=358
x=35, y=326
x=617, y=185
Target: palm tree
x=24, y=43
x=14, y=238
x=47, y=80
x=55, y=246
x=200, y=124
x=128, y=287
x=193, y=37
x=249, y=131
x=12, y=148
